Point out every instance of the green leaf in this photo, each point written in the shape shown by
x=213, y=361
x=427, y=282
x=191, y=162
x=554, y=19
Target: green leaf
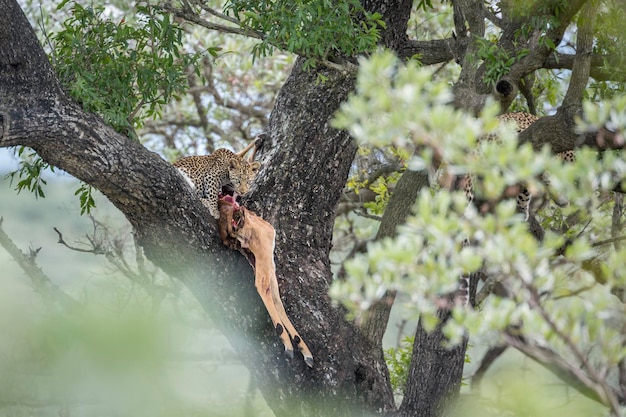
x=62, y=4
x=85, y=196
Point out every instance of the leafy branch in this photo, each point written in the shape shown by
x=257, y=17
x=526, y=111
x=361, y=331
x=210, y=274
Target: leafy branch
x=29, y=173
x=124, y=72
x=322, y=32
x=317, y=30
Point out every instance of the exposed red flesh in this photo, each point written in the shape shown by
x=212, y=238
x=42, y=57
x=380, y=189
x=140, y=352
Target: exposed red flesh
x=230, y=200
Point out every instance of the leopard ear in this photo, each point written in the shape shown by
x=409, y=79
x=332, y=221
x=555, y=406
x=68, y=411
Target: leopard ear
x=255, y=166
x=233, y=164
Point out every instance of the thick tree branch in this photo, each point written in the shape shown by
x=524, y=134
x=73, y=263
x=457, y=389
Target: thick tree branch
x=470, y=91
x=469, y=18
x=559, y=130
x=539, y=49
x=534, y=43
x=598, y=70
x=429, y=389
x=396, y=16
x=398, y=209
x=299, y=132
x=582, y=61
x=434, y=51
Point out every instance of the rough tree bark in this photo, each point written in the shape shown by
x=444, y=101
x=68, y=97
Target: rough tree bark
x=305, y=164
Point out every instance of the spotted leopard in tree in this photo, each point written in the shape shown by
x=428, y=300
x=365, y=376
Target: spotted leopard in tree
x=522, y=121
x=207, y=174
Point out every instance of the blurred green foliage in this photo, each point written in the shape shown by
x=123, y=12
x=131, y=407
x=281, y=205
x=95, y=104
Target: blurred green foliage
x=518, y=387
x=554, y=298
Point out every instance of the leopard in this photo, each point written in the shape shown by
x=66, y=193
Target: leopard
x=207, y=174
x=521, y=121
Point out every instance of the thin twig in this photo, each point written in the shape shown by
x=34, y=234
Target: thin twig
x=95, y=249
x=616, y=218
x=194, y=18
x=608, y=241
x=218, y=14
x=366, y=215
x=575, y=292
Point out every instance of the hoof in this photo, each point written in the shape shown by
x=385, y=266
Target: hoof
x=309, y=361
x=260, y=139
x=289, y=353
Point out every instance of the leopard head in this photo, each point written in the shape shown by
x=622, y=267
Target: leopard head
x=242, y=173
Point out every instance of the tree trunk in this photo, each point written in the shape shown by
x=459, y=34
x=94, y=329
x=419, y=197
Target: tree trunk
x=305, y=166
x=435, y=373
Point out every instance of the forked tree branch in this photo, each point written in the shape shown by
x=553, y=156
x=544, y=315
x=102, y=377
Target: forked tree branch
x=597, y=71
x=101, y=243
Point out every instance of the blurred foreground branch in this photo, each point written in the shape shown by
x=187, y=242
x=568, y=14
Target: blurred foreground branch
x=41, y=282
x=574, y=376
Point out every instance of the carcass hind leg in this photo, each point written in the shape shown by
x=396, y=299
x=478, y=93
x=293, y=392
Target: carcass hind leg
x=263, y=287
x=297, y=340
